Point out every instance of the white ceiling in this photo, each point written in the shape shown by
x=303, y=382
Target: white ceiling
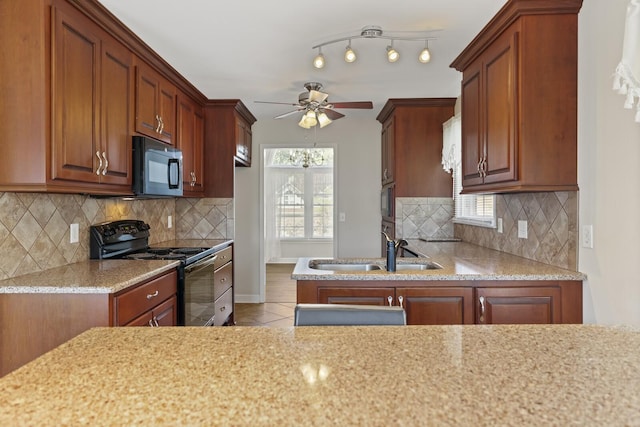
x=261, y=50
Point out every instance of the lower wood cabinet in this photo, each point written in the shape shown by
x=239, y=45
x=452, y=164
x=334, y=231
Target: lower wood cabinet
x=33, y=324
x=457, y=302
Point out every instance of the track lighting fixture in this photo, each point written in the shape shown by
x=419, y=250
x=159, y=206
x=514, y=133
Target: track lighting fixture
x=392, y=54
x=425, y=55
x=349, y=54
x=318, y=61
x=375, y=32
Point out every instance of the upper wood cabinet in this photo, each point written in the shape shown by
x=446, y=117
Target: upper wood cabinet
x=519, y=100
x=228, y=139
x=190, y=139
x=412, y=146
x=155, y=104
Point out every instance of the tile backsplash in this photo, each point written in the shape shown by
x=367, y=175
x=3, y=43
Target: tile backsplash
x=426, y=217
x=34, y=227
x=552, y=219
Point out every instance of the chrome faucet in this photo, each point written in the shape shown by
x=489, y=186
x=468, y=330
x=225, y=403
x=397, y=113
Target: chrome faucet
x=392, y=251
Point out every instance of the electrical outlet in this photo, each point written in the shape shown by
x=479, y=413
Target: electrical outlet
x=522, y=229
x=74, y=233
x=343, y=217
x=500, y=225
x=587, y=236
x=169, y=221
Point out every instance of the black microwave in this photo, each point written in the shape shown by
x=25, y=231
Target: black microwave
x=157, y=168
x=387, y=202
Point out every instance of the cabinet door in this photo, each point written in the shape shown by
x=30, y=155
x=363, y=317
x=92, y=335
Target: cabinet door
x=437, y=306
x=147, y=101
x=388, y=151
x=167, y=108
x=364, y=296
x=190, y=141
x=117, y=112
x=243, y=135
x=472, y=136
x=500, y=106
x=76, y=97
x=166, y=314
x=518, y=305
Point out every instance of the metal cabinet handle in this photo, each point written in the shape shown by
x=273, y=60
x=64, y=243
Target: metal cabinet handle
x=161, y=125
x=384, y=174
x=390, y=300
x=151, y=322
x=155, y=294
x=106, y=163
x=224, y=279
x=400, y=301
x=158, y=122
x=223, y=308
x=100, y=165
x=482, y=308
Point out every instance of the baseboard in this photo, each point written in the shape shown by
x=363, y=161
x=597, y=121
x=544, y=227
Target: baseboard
x=247, y=298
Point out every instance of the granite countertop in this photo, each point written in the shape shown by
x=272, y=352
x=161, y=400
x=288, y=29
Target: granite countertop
x=87, y=277
x=100, y=276
x=388, y=375
x=459, y=261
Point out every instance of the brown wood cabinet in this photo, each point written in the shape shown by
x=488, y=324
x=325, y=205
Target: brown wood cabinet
x=456, y=302
x=190, y=139
x=519, y=100
x=155, y=104
x=228, y=140
x=411, y=143
x=412, y=146
x=142, y=303
x=32, y=324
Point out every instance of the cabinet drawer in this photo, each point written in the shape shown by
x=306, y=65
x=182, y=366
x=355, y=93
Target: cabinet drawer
x=223, y=308
x=222, y=280
x=224, y=256
x=143, y=298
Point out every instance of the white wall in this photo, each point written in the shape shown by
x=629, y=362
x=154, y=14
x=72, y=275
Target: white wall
x=608, y=171
x=357, y=143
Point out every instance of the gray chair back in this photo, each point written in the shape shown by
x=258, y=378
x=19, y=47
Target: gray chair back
x=345, y=315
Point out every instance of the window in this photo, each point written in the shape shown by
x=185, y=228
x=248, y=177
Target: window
x=469, y=208
x=302, y=192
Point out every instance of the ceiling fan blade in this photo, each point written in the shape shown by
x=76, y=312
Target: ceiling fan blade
x=316, y=96
x=280, y=103
x=333, y=115
x=368, y=105
x=288, y=114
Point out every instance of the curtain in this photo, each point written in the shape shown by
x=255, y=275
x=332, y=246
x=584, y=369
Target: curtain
x=451, y=147
x=627, y=75
x=273, y=182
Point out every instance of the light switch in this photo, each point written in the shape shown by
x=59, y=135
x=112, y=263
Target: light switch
x=74, y=233
x=500, y=225
x=522, y=229
x=169, y=221
x=343, y=217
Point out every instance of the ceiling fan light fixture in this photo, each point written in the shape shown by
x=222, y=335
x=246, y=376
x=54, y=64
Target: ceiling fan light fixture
x=392, y=54
x=318, y=61
x=310, y=118
x=349, y=54
x=303, y=123
x=323, y=119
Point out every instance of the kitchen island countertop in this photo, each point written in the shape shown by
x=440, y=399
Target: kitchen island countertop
x=459, y=261
x=412, y=375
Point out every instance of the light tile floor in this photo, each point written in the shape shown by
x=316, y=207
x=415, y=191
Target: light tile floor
x=277, y=311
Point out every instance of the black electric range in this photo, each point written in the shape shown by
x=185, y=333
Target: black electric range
x=129, y=239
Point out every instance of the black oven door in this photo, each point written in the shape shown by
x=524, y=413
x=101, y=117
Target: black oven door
x=198, y=292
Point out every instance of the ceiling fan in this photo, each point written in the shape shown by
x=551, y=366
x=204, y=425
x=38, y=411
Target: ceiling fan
x=315, y=107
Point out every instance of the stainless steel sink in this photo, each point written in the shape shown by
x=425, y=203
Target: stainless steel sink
x=418, y=266
x=343, y=267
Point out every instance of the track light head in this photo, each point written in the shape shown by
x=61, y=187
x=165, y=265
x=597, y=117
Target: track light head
x=349, y=54
x=318, y=61
x=425, y=55
x=392, y=54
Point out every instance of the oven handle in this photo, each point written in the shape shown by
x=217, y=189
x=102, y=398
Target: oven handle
x=201, y=264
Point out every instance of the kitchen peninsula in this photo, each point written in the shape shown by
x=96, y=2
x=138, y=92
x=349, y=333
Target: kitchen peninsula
x=413, y=375
x=470, y=284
